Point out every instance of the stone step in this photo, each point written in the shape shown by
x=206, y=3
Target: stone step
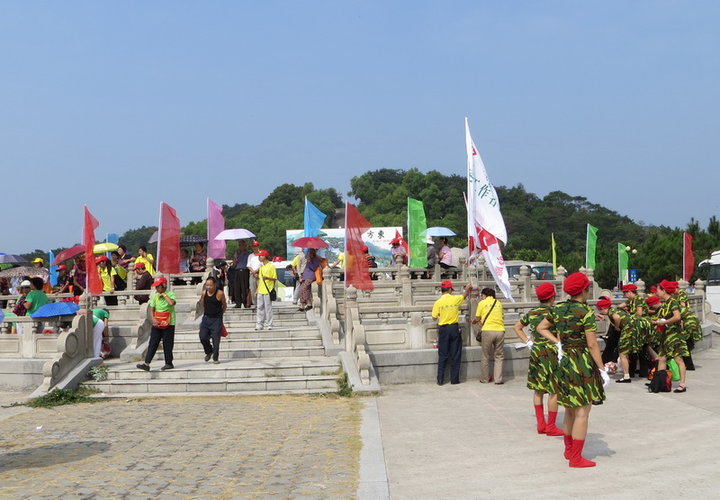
x=251, y=333
x=325, y=383
x=234, y=343
x=234, y=369
x=275, y=392
x=261, y=352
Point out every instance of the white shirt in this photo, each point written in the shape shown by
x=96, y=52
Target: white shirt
x=253, y=262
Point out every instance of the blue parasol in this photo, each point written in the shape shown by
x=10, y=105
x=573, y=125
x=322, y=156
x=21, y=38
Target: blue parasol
x=56, y=309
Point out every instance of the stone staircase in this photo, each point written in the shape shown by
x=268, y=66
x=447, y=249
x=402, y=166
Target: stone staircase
x=288, y=359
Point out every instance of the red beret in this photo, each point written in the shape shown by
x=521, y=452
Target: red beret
x=653, y=289
x=652, y=300
x=603, y=303
x=575, y=284
x=545, y=291
x=140, y=265
x=629, y=288
x=669, y=286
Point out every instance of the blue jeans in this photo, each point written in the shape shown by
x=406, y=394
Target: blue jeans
x=449, y=347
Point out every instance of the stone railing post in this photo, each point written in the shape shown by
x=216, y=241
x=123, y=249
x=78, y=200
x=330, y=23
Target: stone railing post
x=525, y=283
x=704, y=306
x=350, y=304
x=640, y=284
x=405, y=286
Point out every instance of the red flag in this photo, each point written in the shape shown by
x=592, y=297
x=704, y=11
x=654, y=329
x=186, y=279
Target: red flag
x=688, y=257
x=168, y=240
x=94, y=285
x=402, y=242
x=356, y=264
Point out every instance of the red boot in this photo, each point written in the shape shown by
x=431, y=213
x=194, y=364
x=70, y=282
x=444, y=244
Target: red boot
x=540, y=417
x=576, y=459
x=551, y=429
x=568, y=445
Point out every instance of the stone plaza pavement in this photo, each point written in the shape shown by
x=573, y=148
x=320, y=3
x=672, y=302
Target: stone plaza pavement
x=418, y=441
x=249, y=447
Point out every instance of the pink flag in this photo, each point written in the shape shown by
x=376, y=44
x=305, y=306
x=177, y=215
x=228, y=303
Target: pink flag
x=215, y=224
x=168, y=240
x=94, y=285
x=357, y=272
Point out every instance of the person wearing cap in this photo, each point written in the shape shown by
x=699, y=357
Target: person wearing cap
x=491, y=322
x=162, y=312
x=653, y=338
x=446, y=310
x=543, y=361
x=35, y=298
x=38, y=264
x=253, y=265
x=622, y=321
x=635, y=306
x=267, y=278
x=581, y=374
x=144, y=281
x=64, y=280
x=397, y=252
x=147, y=259
x=634, y=303
x=107, y=276
x=674, y=339
x=241, y=281
x=214, y=306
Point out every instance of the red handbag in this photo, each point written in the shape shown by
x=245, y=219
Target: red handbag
x=223, y=331
x=162, y=319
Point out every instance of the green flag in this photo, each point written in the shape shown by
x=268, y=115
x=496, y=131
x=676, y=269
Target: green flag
x=554, y=254
x=590, y=245
x=622, y=263
x=417, y=225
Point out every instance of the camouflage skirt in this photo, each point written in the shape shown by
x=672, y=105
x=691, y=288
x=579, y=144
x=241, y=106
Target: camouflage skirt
x=579, y=381
x=632, y=336
x=542, y=368
x=692, y=328
x=674, y=344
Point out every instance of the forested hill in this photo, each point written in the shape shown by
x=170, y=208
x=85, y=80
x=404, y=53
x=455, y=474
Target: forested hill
x=381, y=196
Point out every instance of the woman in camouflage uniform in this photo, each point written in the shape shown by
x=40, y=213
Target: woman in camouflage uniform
x=571, y=327
x=543, y=361
x=690, y=325
x=674, y=340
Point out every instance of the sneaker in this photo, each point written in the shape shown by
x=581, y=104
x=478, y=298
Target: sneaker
x=167, y=367
x=216, y=361
x=268, y=327
x=623, y=381
x=207, y=357
x=143, y=366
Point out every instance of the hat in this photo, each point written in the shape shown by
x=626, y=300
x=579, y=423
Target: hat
x=629, y=288
x=263, y=253
x=575, y=284
x=160, y=280
x=653, y=289
x=669, y=286
x=38, y=259
x=25, y=283
x=447, y=284
x=429, y=240
x=256, y=243
x=365, y=248
x=545, y=291
x=61, y=267
x=603, y=303
x=652, y=300
x=100, y=259
x=140, y=265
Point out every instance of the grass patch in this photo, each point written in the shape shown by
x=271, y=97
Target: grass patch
x=61, y=397
x=344, y=389
x=98, y=373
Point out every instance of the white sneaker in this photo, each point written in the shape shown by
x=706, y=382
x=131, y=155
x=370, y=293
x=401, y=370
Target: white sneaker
x=268, y=327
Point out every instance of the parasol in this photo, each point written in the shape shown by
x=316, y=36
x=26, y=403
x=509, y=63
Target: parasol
x=191, y=239
x=16, y=272
x=68, y=254
x=439, y=231
x=11, y=259
x=234, y=234
x=309, y=242
x=56, y=309
x=105, y=247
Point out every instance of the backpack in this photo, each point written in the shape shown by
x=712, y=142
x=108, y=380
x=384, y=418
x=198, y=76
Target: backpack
x=661, y=382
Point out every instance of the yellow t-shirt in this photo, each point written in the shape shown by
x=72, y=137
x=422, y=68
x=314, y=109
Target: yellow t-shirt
x=341, y=260
x=148, y=263
x=494, y=322
x=106, y=277
x=447, y=309
x=266, y=286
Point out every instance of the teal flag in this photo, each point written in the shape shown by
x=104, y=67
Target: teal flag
x=417, y=225
x=313, y=219
x=53, y=269
x=622, y=263
x=590, y=245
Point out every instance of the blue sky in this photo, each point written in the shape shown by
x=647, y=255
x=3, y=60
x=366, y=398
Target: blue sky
x=121, y=105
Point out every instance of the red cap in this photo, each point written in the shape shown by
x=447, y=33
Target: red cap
x=652, y=300
x=653, y=289
x=61, y=267
x=263, y=253
x=629, y=288
x=545, y=291
x=669, y=286
x=140, y=265
x=277, y=258
x=100, y=259
x=365, y=248
x=256, y=243
x=603, y=303
x=447, y=284
x=160, y=281
x=575, y=284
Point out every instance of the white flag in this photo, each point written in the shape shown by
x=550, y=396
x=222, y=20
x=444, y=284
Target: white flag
x=483, y=202
x=494, y=260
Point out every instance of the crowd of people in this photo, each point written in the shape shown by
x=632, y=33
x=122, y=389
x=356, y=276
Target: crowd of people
x=565, y=361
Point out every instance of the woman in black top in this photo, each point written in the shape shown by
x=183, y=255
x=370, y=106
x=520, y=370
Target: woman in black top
x=214, y=305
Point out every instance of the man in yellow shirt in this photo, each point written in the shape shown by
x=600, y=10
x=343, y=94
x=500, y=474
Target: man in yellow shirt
x=489, y=318
x=447, y=311
x=267, y=277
